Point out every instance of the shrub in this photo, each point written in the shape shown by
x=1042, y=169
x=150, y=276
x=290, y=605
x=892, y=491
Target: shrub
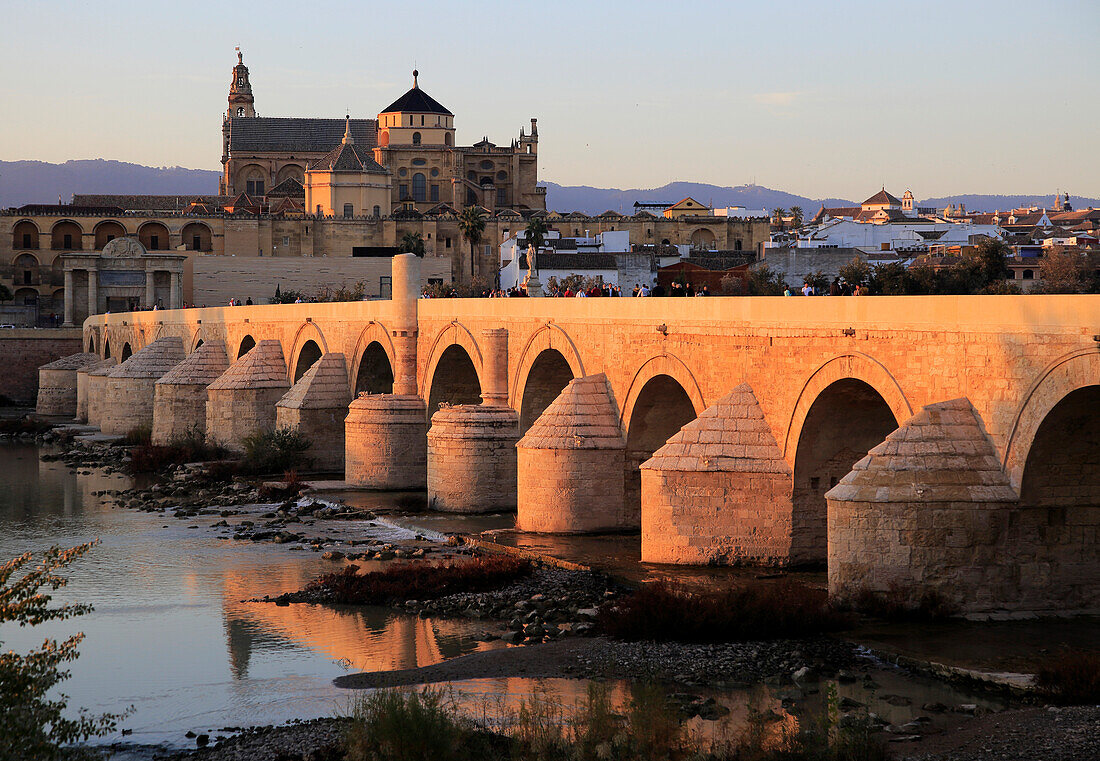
x=419, y=581
x=142, y=434
x=33, y=720
x=1071, y=679
x=895, y=604
x=292, y=487
x=191, y=446
x=663, y=611
x=274, y=451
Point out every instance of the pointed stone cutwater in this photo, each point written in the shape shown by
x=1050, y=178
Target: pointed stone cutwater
x=571, y=461
x=719, y=491
x=242, y=400
x=131, y=387
x=926, y=511
x=57, y=384
x=179, y=403
x=94, y=389
x=316, y=406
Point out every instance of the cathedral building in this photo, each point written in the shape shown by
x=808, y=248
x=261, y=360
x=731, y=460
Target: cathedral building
x=413, y=139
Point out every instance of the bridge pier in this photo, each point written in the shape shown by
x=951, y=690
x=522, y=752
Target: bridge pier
x=719, y=491
x=83, y=384
x=57, y=384
x=571, y=461
x=472, y=447
x=179, y=404
x=928, y=511
x=242, y=400
x=97, y=390
x=131, y=387
x=386, y=435
x=316, y=407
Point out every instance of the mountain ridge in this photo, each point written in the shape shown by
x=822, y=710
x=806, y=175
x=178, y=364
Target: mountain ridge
x=29, y=181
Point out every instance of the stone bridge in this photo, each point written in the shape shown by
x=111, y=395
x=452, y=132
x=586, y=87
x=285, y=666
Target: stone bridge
x=912, y=444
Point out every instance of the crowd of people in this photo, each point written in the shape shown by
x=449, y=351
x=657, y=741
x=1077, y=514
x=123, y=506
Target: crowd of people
x=839, y=287
x=606, y=290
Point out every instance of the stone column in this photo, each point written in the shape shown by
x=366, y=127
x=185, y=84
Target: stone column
x=93, y=292
x=149, y=292
x=405, y=293
x=174, y=297
x=495, y=365
x=68, y=298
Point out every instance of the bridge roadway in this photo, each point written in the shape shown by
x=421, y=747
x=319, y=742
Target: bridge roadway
x=830, y=378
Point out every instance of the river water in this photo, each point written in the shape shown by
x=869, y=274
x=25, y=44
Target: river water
x=173, y=634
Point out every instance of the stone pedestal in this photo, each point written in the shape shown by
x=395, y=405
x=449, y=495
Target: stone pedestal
x=179, y=402
x=242, y=400
x=570, y=464
x=927, y=511
x=316, y=406
x=131, y=387
x=386, y=442
x=472, y=459
x=719, y=492
x=82, y=385
x=57, y=384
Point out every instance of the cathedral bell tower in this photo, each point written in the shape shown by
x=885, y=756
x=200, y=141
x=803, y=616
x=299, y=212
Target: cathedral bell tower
x=241, y=102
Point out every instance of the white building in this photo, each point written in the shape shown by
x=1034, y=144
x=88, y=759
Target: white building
x=740, y=212
x=602, y=256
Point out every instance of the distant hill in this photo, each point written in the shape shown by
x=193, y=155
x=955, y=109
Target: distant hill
x=41, y=182
x=565, y=198
x=1006, y=203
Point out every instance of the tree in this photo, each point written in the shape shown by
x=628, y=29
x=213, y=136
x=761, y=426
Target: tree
x=891, y=280
x=991, y=256
x=32, y=725
x=1061, y=271
x=778, y=213
x=471, y=223
x=411, y=243
x=819, y=281
x=856, y=272
x=796, y=212
x=5, y=293
x=535, y=233
x=765, y=282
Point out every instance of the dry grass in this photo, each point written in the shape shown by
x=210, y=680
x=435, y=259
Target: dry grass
x=662, y=611
x=1071, y=679
x=418, y=581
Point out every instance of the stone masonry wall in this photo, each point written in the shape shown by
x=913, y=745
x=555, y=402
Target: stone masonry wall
x=178, y=410
x=472, y=459
x=22, y=352
x=571, y=491
x=127, y=404
x=325, y=430
x=232, y=415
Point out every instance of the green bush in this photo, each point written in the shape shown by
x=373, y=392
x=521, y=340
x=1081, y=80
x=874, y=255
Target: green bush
x=275, y=451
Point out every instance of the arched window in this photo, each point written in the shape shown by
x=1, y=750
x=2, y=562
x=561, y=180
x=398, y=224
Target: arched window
x=502, y=175
x=416, y=138
x=240, y=110
x=420, y=187
x=448, y=139
x=349, y=211
x=1029, y=275
x=377, y=211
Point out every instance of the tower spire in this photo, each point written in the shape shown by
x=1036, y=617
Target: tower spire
x=348, y=139
x=241, y=102
x=416, y=74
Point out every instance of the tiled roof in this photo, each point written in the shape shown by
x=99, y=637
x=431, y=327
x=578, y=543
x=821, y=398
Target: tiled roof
x=64, y=208
x=584, y=416
x=284, y=134
x=153, y=361
x=416, y=101
x=73, y=362
x=348, y=157
x=322, y=386
x=882, y=197
x=105, y=204
x=289, y=187
x=551, y=260
x=201, y=368
x=730, y=435
x=942, y=454
x=261, y=367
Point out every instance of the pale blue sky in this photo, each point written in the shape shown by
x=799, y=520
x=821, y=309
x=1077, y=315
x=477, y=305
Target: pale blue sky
x=821, y=99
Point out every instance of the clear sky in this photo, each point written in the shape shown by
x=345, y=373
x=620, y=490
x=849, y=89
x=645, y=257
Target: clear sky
x=821, y=99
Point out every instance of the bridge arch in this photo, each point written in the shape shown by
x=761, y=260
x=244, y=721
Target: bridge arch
x=127, y=352
x=854, y=365
x=1065, y=375
x=106, y=347
x=373, y=361
x=247, y=344
x=548, y=361
x=308, y=346
x=437, y=387
x=663, y=397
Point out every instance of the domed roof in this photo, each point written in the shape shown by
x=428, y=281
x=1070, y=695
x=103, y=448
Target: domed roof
x=416, y=101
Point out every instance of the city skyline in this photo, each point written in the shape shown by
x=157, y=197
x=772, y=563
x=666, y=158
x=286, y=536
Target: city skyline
x=821, y=102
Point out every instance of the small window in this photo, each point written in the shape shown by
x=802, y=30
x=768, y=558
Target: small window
x=448, y=139
x=378, y=211
x=737, y=245
x=154, y=242
x=27, y=237
x=486, y=164
x=416, y=138
x=240, y=111
x=447, y=243
x=435, y=172
x=1029, y=275
x=110, y=237
x=254, y=187
x=402, y=192
x=435, y=193
x=349, y=211
x=286, y=240
x=402, y=172
x=419, y=162
x=502, y=175
x=385, y=286
x=68, y=242
x=196, y=242
x=502, y=198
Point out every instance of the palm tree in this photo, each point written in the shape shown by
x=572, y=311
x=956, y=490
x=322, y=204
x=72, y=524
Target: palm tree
x=471, y=223
x=778, y=213
x=412, y=243
x=535, y=234
x=796, y=212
